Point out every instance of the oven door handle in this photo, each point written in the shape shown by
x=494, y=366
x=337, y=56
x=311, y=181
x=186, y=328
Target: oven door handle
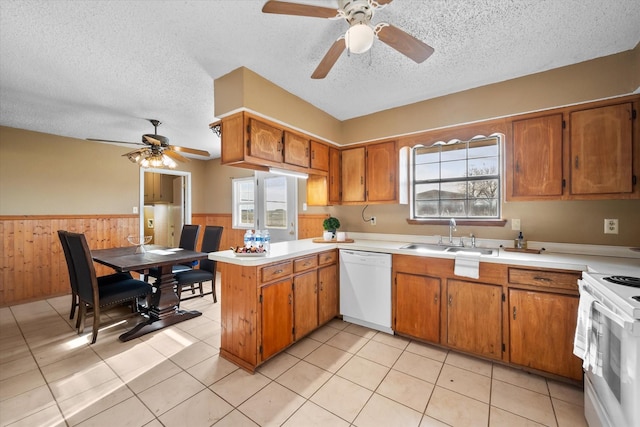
x=628, y=324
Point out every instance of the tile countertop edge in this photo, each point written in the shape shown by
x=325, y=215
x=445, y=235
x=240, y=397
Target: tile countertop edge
x=557, y=260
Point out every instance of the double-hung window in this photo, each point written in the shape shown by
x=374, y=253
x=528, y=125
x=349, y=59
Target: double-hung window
x=457, y=179
x=244, y=203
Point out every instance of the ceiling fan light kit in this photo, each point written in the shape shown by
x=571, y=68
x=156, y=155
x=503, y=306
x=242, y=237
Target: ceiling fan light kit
x=360, y=35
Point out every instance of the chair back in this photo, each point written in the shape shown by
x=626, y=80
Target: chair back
x=62, y=235
x=189, y=237
x=210, y=243
x=85, y=271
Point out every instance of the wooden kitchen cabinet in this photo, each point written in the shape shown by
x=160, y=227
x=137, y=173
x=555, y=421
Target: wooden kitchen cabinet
x=319, y=156
x=474, y=317
x=382, y=172
x=369, y=173
x=265, y=141
x=158, y=188
x=335, y=181
x=417, y=306
x=328, y=303
x=266, y=308
x=296, y=149
x=276, y=300
x=537, y=157
x=353, y=168
x=601, y=150
x=542, y=327
x=305, y=306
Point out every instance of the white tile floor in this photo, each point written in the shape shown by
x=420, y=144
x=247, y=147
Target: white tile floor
x=340, y=375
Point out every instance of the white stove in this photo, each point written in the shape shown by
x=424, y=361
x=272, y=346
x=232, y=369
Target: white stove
x=618, y=293
x=612, y=387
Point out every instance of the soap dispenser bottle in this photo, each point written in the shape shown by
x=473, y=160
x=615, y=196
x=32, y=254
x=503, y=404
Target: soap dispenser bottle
x=520, y=241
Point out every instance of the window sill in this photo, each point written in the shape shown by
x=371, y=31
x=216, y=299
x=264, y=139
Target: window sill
x=461, y=221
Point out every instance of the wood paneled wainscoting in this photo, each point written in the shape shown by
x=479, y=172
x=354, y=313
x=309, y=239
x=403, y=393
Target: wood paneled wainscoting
x=33, y=264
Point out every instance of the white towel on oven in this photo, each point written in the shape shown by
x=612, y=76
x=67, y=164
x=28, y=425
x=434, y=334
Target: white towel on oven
x=467, y=264
x=586, y=343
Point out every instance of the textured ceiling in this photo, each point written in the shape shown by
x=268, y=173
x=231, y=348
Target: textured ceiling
x=97, y=69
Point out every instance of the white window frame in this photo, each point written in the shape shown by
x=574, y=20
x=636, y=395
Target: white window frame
x=499, y=177
x=235, y=212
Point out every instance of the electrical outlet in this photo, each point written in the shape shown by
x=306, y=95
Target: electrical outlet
x=610, y=226
x=373, y=220
x=515, y=224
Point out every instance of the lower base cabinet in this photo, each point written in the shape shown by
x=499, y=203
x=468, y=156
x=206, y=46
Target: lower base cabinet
x=328, y=302
x=277, y=317
x=541, y=332
x=474, y=318
x=417, y=311
x=306, y=303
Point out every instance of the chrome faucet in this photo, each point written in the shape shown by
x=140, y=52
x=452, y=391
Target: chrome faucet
x=452, y=227
x=473, y=241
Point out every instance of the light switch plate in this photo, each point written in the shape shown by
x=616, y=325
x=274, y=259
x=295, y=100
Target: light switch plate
x=610, y=226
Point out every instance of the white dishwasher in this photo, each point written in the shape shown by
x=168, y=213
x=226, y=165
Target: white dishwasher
x=365, y=289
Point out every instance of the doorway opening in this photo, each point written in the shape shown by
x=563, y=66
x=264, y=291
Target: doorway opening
x=165, y=204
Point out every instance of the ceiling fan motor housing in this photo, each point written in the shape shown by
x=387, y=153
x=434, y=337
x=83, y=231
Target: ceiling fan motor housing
x=357, y=11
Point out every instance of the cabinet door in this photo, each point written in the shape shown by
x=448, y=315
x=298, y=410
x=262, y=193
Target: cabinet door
x=305, y=303
x=474, y=317
x=542, y=330
x=417, y=306
x=296, y=150
x=353, y=174
x=327, y=293
x=537, y=156
x=265, y=141
x=319, y=156
x=335, y=169
x=601, y=150
x=381, y=170
x=232, y=139
x=317, y=193
x=277, y=317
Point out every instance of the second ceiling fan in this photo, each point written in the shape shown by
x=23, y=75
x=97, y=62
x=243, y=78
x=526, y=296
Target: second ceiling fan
x=360, y=35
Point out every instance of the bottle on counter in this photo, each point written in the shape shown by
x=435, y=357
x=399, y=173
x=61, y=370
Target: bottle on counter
x=257, y=241
x=248, y=237
x=266, y=237
x=520, y=243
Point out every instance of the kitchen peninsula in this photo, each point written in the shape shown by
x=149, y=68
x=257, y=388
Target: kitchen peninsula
x=270, y=302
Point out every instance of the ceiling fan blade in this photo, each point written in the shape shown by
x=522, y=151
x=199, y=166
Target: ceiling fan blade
x=151, y=140
x=384, y=2
x=116, y=142
x=175, y=156
x=404, y=43
x=286, y=8
x=190, y=151
x=329, y=59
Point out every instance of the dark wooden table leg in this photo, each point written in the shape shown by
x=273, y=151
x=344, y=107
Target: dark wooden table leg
x=163, y=310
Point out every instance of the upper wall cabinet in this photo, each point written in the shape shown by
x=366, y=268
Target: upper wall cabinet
x=369, y=174
x=158, y=188
x=602, y=150
x=538, y=138
x=255, y=143
x=591, y=151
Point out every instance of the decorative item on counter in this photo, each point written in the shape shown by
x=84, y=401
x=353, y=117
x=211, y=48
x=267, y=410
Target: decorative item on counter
x=330, y=226
x=341, y=236
x=520, y=243
x=139, y=243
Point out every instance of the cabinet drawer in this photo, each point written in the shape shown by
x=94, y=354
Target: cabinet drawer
x=306, y=263
x=276, y=271
x=327, y=257
x=544, y=278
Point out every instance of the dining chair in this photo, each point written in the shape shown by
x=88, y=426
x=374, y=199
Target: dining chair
x=207, y=270
x=102, y=280
x=188, y=240
x=90, y=294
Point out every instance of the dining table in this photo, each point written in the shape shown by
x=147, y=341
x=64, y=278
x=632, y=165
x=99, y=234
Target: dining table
x=163, y=305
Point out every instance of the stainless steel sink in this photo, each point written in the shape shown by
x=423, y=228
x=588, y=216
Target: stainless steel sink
x=425, y=247
x=482, y=251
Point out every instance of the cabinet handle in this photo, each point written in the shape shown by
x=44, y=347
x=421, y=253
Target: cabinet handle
x=517, y=168
x=450, y=300
x=278, y=271
x=435, y=299
x=306, y=152
x=313, y=154
x=577, y=162
x=514, y=312
x=542, y=279
x=290, y=299
x=361, y=180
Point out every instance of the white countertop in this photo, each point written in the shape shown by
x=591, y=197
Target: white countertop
x=609, y=260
